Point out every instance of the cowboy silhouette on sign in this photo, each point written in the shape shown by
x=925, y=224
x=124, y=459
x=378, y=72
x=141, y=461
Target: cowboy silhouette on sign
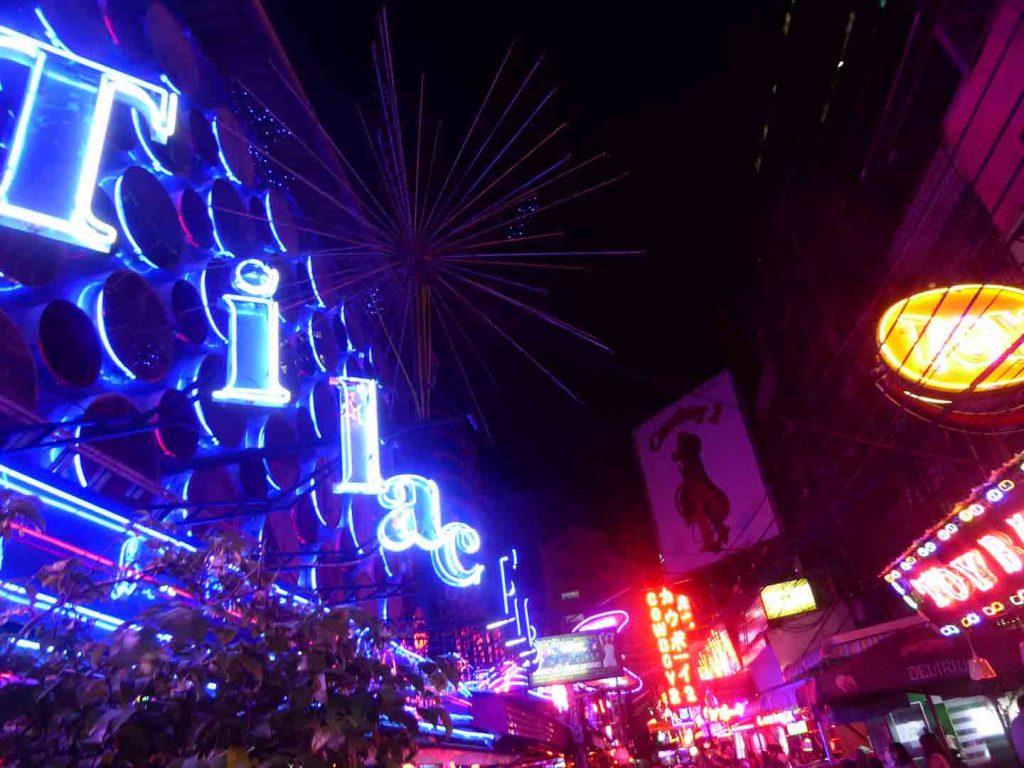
x=700, y=502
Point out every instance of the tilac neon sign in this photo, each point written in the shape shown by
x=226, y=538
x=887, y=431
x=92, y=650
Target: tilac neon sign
x=412, y=503
x=970, y=566
x=49, y=175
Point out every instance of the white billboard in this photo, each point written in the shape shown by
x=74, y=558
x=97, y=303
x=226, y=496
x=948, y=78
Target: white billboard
x=703, y=482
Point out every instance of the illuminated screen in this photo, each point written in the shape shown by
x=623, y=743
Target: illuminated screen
x=947, y=339
x=788, y=598
x=718, y=657
x=575, y=658
x=970, y=567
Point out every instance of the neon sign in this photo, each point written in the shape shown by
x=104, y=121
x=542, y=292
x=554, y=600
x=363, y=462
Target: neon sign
x=781, y=717
x=360, y=441
x=412, y=503
x=131, y=549
x=614, y=619
x=970, y=566
x=956, y=339
x=253, y=338
x=606, y=621
x=725, y=713
x=50, y=173
x=787, y=598
x=413, y=519
x=718, y=657
x=57, y=153
x=671, y=618
x=515, y=608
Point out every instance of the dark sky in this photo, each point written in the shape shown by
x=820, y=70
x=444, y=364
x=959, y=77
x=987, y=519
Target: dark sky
x=673, y=91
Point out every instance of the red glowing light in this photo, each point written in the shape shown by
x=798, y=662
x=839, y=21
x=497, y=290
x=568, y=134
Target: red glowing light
x=671, y=618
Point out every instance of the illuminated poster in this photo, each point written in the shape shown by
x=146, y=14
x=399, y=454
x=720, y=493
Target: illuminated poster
x=703, y=482
x=575, y=658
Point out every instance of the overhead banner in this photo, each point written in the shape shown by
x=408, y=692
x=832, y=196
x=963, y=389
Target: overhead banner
x=575, y=658
x=703, y=483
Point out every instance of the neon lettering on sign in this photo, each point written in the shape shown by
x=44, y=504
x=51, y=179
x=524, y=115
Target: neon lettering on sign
x=782, y=717
x=970, y=565
x=360, y=438
x=671, y=619
x=723, y=713
x=413, y=519
x=615, y=619
x=412, y=502
x=254, y=328
x=515, y=607
x=50, y=173
x=948, y=339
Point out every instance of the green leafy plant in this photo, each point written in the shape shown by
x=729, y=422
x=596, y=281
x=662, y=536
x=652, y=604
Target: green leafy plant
x=225, y=675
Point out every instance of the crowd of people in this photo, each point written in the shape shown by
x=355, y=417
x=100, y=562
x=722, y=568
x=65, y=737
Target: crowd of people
x=934, y=752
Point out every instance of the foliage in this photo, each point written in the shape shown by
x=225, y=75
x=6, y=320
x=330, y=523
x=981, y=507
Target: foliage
x=242, y=679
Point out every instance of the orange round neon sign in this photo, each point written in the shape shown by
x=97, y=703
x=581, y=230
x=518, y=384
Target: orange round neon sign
x=952, y=339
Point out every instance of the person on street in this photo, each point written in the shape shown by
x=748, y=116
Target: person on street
x=776, y=758
x=1017, y=730
x=935, y=754
x=900, y=756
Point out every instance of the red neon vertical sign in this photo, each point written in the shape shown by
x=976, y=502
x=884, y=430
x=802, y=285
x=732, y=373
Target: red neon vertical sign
x=671, y=619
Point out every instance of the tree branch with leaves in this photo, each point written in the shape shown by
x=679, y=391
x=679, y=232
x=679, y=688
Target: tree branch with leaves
x=233, y=676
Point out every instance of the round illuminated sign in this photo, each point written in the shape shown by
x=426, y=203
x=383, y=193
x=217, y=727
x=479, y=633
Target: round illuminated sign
x=951, y=355
x=958, y=339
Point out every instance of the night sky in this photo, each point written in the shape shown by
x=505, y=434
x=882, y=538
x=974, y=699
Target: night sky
x=675, y=94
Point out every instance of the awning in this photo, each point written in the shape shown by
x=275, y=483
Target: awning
x=919, y=660
x=844, y=644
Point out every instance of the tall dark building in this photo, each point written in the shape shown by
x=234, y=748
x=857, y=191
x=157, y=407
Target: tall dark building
x=888, y=164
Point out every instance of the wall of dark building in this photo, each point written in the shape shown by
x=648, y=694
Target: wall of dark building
x=873, y=203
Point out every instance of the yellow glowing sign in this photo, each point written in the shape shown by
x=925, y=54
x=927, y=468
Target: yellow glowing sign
x=955, y=339
x=788, y=598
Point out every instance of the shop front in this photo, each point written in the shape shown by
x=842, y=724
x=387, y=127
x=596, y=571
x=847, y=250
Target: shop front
x=523, y=725
x=795, y=731
x=891, y=685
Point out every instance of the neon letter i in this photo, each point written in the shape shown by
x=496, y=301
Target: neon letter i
x=49, y=175
x=254, y=330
